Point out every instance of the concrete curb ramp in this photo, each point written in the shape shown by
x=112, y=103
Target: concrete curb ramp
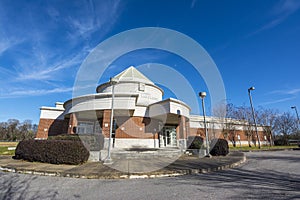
x=96, y=170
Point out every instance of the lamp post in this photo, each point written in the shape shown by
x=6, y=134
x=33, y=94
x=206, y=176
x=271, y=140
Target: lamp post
x=202, y=96
x=294, y=107
x=108, y=159
x=253, y=115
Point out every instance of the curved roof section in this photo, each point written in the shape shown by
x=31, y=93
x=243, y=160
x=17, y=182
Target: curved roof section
x=133, y=75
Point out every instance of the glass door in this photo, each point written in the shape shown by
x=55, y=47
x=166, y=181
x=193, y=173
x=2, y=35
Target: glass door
x=168, y=137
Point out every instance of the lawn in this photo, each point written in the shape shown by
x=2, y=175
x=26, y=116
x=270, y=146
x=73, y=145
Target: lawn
x=253, y=148
x=4, y=148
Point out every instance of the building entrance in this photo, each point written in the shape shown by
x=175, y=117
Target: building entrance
x=168, y=137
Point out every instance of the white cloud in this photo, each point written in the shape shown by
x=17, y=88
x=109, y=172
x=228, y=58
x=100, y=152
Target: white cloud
x=193, y=3
x=287, y=91
x=48, y=73
x=7, y=43
x=53, y=41
x=282, y=95
x=93, y=17
x=278, y=14
x=25, y=93
x=277, y=101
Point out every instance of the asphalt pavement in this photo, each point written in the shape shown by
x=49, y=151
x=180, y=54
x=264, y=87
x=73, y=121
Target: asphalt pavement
x=265, y=175
x=126, y=168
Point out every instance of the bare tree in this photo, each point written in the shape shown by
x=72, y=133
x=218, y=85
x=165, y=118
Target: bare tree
x=267, y=118
x=13, y=130
x=244, y=114
x=226, y=113
x=285, y=125
x=3, y=131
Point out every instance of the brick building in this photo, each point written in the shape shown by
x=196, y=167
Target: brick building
x=142, y=119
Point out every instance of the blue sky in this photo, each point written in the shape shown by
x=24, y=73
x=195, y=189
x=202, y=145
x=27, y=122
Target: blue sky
x=43, y=43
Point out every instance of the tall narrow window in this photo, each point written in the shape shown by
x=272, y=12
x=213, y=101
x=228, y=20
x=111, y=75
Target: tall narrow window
x=141, y=86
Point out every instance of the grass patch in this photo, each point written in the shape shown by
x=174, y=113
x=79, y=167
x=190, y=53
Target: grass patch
x=246, y=148
x=5, y=151
x=8, y=144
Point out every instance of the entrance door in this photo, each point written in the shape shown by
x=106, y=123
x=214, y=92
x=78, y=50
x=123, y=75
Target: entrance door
x=168, y=137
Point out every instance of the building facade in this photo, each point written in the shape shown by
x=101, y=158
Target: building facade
x=142, y=118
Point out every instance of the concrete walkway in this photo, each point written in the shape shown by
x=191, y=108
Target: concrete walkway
x=131, y=168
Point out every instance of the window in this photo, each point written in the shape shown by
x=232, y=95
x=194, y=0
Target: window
x=141, y=86
x=97, y=127
x=85, y=127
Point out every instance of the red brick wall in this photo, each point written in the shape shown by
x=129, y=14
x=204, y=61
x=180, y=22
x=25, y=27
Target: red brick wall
x=181, y=129
x=136, y=127
x=72, y=124
x=50, y=127
x=219, y=134
x=106, y=121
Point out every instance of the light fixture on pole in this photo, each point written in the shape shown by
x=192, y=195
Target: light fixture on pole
x=253, y=115
x=202, y=96
x=294, y=107
x=108, y=159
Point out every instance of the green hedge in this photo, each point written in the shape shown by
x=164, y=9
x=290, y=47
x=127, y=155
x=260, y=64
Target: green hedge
x=194, y=142
x=74, y=137
x=93, y=142
x=52, y=151
x=219, y=147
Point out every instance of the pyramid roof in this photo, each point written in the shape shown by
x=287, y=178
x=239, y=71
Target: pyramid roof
x=132, y=74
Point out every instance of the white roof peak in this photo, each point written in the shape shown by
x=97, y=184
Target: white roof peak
x=132, y=74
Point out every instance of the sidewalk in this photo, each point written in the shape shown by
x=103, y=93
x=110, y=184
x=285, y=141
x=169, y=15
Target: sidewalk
x=133, y=168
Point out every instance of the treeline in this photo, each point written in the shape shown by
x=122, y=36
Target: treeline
x=278, y=127
x=14, y=130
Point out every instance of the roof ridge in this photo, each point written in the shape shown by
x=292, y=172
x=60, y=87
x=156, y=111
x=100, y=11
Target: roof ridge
x=132, y=74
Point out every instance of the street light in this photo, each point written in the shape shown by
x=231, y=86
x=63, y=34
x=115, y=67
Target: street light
x=108, y=159
x=253, y=115
x=294, y=107
x=202, y=96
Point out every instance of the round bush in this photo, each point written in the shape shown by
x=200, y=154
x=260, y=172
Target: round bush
x=219, y=147
x=52, y=151
x=74, y=137
x=93, y=142
x=194, y=142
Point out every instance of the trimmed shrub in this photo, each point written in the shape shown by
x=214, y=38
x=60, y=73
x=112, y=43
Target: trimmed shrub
x=194, y=142
x=52, y=151
x=281, y=142
x=93, y=142
x=73, y=137
x=219, y=147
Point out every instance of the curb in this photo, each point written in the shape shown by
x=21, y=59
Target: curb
x=263, y=150
x=120, y=175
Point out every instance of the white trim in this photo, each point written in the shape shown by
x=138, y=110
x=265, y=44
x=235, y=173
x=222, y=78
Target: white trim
x=123, y=143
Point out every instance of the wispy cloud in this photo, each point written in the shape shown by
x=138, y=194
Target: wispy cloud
x=48, y=73
x=278, y=14
x=277, y=101
x=52, y=44
x=282, y=95
x=22, y=93
x=7, y=43
x=94, y=17
x=193, y=3
x=288, y=91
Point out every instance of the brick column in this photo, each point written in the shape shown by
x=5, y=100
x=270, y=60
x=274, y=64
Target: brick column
x=43, y=128
x=106, y=123
x=72, y=123
x=181, y=128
